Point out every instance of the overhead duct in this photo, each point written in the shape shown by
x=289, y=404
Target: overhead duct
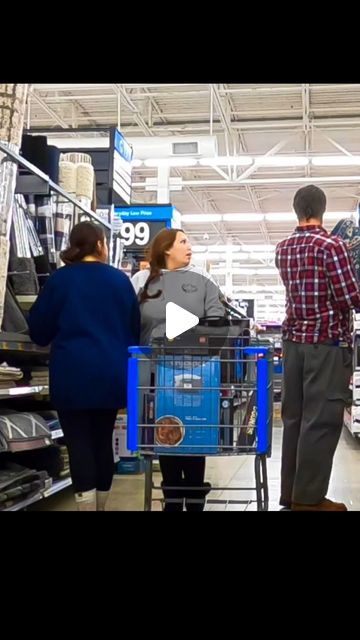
x=146, y=147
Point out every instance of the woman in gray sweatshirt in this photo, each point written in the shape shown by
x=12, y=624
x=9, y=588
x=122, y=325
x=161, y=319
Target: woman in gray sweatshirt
x=171, y=278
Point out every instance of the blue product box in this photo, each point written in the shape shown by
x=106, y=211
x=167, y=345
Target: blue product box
x=127, y=466
x=187, y=411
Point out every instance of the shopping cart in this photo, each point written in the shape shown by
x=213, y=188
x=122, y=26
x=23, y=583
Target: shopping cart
x=202, y=394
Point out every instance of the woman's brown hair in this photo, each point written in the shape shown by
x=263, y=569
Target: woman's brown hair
x=156, y=256
x=84, y=238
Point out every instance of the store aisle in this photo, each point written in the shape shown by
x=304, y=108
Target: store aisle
x=127, y=491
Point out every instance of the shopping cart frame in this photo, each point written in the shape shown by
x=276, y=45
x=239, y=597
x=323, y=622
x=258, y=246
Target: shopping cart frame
x=262, y=450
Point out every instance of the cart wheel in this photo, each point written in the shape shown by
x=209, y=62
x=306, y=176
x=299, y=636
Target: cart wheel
x=261, y=482
x=148, y=483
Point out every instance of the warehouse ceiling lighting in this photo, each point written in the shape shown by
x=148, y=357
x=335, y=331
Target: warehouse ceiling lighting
x=282, y=161
x=280, y=217
x=232, y=248
x=243, y=256
x=222, y=161
x=336, y=215
x=258, y=247
x=239, y=271
x=254, y=288
x=267, y=272
x=170, y=162
x=335, y=161
x=198, y=248
x=243, y=217
x=291, y=217
x=262, y=255
x=244, y=272
x=201, y=217
x=213, y=256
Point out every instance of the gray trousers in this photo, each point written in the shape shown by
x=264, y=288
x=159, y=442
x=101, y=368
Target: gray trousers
x=315, y=390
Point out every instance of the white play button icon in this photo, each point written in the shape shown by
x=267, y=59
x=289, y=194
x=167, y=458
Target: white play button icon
x=178, y=320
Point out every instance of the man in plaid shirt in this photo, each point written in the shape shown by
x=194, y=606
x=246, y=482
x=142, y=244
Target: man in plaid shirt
x=321, y=291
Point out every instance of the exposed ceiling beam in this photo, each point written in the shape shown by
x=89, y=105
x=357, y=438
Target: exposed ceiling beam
x=48, y=109
x=119, y=89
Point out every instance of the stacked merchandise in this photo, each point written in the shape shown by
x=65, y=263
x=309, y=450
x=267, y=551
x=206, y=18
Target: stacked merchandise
x=12, y=108
x=43, y=211
x=22, y=431
x=54, y=215
x=28, y=264
x=52, y=421
x=46, y=158
x=9, y=376
x=64, y=455
x=51, y=459
x=40, y=378
x=18, y=483
x=350, y=233
x=76, y=176
x=23, y=233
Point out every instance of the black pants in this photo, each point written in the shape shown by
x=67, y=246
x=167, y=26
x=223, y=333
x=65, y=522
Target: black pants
x=315, y=391
x=89, y=437
x=182, y=472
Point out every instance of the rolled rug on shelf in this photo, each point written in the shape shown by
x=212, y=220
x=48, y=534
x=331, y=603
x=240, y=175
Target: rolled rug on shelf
x=68, y=177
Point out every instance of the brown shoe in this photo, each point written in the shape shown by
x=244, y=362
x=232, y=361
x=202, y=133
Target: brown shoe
x=324, y=505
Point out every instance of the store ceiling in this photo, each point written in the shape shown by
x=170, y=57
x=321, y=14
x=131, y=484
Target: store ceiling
x=288, y=119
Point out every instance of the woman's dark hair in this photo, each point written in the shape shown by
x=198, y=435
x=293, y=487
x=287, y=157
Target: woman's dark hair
x=309, y=202
x=84, y=238
x=156, y=257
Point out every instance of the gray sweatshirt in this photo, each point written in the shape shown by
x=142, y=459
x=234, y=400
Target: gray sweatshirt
x=191, y=288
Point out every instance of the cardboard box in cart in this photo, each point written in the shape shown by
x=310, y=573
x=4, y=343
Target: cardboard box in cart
x=187, y=410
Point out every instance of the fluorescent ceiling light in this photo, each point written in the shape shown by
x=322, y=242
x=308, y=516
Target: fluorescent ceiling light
x=280, y=217
x=243, y=217
x=281, y=161
x=253, y=256
x=258, y=247
x=170, y=162
x=222, y=161
x=335, y=161
x=337, y=215
x=265, y=255
x=242, y=256
x=213, y=256
x=254, y=288
x=237, y=272
x=245, y=272
x=198, y=248
x=291, y=217
x=136, y=163
x=201, y=217
x=267, y=271
x=232, y=248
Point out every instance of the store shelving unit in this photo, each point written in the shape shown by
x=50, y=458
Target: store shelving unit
x=57, y=485
x=352, y=413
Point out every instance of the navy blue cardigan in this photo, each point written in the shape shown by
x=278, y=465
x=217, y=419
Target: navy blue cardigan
x=89, y=313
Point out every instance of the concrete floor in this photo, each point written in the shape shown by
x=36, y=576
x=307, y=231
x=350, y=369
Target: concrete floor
x=128, y=491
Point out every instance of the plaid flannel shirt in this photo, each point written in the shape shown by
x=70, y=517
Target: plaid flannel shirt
x=320, y=284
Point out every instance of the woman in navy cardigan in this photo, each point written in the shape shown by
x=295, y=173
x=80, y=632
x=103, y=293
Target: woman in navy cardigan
x=88, y=312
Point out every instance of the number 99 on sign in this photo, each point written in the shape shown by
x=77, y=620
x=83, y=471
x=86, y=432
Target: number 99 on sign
x=135, y=234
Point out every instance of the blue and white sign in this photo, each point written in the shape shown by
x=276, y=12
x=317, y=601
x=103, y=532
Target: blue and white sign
x=141, y=223
x=122, y=146
x=122, y=157
x=146, y=212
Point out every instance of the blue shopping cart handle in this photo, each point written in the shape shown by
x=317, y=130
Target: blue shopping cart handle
x=252, y=351
x=140, y=350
